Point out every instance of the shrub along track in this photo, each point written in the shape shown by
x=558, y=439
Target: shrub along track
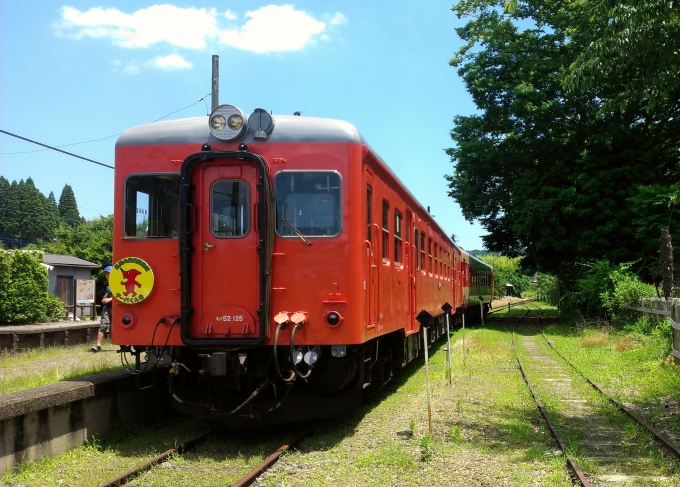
x=608, y=447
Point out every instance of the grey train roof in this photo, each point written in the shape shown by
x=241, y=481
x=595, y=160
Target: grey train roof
x=287, y=128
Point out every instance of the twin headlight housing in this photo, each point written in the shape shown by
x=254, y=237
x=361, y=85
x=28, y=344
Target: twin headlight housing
x=228, y=122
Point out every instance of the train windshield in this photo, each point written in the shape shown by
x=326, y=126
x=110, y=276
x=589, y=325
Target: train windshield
x=309, y=202
x=152, y=206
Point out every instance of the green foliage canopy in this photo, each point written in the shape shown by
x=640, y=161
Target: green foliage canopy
x=635, y=44
x=545, y=171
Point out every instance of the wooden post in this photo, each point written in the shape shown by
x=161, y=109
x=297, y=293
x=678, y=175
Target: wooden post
x=447, y=309
x=463, y=338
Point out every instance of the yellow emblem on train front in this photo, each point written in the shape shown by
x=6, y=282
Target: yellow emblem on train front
x=131, y=280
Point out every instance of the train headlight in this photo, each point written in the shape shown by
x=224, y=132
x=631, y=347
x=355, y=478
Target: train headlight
x=227, y=122
x=235, y=122
x=218, y=122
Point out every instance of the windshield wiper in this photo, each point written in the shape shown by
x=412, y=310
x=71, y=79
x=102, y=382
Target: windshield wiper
x=297, y=232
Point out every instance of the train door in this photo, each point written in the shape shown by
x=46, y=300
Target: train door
x=411, y=258
x=372, y=256
x=226, y=252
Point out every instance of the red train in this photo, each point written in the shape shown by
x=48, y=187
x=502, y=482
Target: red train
x=276, y=264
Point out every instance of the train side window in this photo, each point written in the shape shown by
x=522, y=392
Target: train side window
x=369, y=213
x=230, y=208
x=436, y=259
x=397, y=238
x=429, y=255
x=151, y=206
x=385, y=231
x=416, y=241
x=422, y=252
x=308, y=202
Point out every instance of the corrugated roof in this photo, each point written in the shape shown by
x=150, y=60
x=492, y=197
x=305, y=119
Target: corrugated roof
x=68, y=261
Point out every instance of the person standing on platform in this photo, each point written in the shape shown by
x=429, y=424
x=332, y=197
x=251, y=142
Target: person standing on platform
x=105, y=326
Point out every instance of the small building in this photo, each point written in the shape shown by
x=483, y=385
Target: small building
x=62, y=273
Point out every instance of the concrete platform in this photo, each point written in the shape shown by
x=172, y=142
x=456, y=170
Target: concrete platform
x=50, y=419
x=25, y=337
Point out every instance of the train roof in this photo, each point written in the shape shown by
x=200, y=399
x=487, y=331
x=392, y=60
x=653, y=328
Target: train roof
x=287, y=128
x=474, y=258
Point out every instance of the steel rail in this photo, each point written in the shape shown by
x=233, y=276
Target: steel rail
x=134, y=472
x=250, y=477
x=571, y=463
x=670, y=447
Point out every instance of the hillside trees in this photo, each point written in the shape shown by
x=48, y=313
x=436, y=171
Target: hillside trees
x=549, y=174
x=27, y=215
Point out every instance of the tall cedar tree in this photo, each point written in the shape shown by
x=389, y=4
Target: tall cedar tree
x=68, y=208
x=11, y=215
x=35, y=222
x=547, y=174
x=4, y=201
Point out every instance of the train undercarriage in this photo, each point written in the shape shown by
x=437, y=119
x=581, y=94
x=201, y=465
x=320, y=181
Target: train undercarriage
x=244, y=388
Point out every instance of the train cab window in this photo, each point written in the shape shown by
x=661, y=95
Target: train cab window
x=152, y=206
x=230, y=204
x=308, y=203
x=385, y=231
x=397, y=238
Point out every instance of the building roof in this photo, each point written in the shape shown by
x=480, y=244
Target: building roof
x=68, y=261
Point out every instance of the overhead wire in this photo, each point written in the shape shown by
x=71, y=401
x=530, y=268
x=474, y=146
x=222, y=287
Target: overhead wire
x=49, y=147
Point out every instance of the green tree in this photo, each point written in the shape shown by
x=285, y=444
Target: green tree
x=4, y=201
x=34, y=217
x=635, y=44
x=53, y=213
x=92, y=241
x=507, y=270
x=11, y=216
x=23, y=289
x=544, y=170
x=68, y=208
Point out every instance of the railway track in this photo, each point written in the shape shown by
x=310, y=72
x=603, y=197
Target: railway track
x=602, y=449
x=249, y=478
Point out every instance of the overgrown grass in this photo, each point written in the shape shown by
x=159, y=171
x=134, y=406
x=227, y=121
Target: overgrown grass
x=36, y=367
x=630, y=365
x=631, y=361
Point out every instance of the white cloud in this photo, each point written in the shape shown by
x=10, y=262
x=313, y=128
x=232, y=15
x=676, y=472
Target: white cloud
x=182, y=27
x=273, y=28
x=338, y=19
x=170, y=62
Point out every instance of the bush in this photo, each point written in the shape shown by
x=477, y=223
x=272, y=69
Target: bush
x=605, y=290
x=23, y=289
x=507, y=270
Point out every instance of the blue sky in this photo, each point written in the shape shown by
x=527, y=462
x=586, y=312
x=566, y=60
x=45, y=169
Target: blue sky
x=80, y=71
